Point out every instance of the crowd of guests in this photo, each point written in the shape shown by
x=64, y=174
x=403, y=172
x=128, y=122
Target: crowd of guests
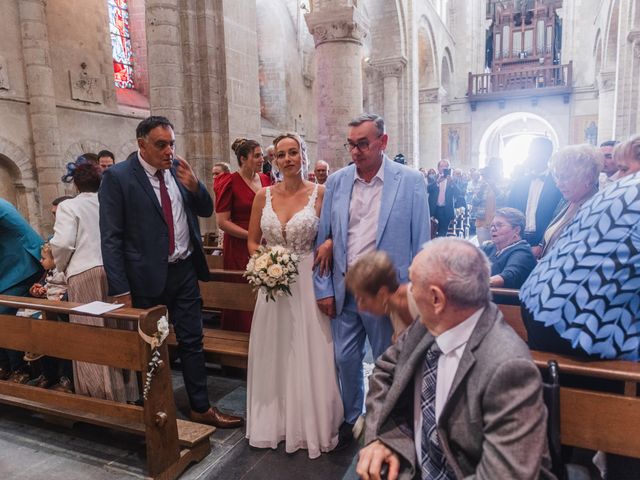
x=565, y=233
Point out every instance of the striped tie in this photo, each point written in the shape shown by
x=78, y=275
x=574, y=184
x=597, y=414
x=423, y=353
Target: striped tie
x=434, y=463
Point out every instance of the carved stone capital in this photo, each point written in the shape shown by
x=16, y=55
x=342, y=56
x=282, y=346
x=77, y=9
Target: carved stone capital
x=390, y=67
x=606, y=81
x=431, y=95
x=342, y=24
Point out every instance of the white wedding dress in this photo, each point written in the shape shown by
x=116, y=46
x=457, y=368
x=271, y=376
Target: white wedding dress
x=292, y=389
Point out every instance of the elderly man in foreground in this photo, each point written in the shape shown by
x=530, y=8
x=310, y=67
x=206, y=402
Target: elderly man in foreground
x=458, y=395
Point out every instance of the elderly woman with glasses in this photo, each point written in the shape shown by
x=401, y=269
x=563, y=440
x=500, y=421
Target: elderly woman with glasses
x=510, y=256
x=576, y=171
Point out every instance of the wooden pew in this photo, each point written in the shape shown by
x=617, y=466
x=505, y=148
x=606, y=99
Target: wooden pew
x=214, y=258
x=171, y=444
x=222, y=292
x=595, y=420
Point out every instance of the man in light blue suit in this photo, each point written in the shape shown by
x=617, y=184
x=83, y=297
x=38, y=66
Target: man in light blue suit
x=19, y=269
x=373, y=204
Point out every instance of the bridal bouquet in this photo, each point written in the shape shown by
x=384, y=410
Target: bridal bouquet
x=272, y=270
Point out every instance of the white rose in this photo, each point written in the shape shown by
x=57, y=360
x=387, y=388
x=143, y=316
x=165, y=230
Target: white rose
x=294, y=257
x=278, y=250
x=262, y=276
x=251, y=265
x=270, y=282
x=262, y=262
x=275, y=271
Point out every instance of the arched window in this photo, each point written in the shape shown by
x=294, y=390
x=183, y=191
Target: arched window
x=121, y=43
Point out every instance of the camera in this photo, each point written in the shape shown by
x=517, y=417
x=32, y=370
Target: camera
x=446, y=172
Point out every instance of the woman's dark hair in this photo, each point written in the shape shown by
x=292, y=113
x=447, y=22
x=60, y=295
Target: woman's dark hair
x=87, y=177
x=371, y=272
x=243, y=148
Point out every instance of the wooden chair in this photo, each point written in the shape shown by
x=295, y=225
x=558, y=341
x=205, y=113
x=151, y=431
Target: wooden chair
x=589, y=418
x=171, y=444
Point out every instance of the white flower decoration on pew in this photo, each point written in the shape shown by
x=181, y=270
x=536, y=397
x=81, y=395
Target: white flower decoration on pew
x=272, y=270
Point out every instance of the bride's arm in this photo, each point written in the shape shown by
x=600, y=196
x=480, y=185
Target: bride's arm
x=255, y=232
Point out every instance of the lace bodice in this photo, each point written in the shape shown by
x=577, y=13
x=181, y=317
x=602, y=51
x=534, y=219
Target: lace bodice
x=299, y=233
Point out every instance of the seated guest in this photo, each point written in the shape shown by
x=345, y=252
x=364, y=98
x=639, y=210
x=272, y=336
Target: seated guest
x=581, y=299
x=576, y=171
x=510, y=256
x=627, y=157
x=19, y=268
x=458, y=395
x=373, y=281
x=76, y=252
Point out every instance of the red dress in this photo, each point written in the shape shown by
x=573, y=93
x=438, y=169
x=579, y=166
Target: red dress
x=235, y=196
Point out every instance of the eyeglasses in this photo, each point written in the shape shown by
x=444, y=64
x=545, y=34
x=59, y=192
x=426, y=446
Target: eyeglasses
x=498, y=226
x=363, y=145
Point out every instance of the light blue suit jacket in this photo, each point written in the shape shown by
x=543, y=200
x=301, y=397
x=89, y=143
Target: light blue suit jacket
x=19, y=247
x=403, y=226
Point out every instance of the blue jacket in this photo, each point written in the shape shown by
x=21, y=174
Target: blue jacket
x=19, y=247
x=134, y=234
x=403, y=226
x=514, y=264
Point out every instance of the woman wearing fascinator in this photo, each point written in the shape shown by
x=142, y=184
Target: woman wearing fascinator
x=76, y=252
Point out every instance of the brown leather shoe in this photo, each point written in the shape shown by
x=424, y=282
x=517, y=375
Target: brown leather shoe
x=64, y=385
x=19, y=376
x=215, y=417
x=40, y=381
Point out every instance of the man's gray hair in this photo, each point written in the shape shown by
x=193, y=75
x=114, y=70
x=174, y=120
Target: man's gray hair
x=456, y=266
x=377, y=120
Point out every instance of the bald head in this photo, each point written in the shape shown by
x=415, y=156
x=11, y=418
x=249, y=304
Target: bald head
x=321, y=171
x=457, y=267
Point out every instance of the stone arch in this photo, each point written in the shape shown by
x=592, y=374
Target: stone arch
x=610, y=53
x=597, y=52
x=83, y=146
x=125, y=150
x=386, y=28
x=18, y=182
x=272, y=37
x=428, y=68
x=501, y=130
x=446, y=70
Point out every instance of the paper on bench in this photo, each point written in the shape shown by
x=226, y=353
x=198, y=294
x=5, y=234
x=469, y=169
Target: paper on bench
x=97, y=308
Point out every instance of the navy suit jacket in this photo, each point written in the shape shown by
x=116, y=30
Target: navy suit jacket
x=450, y=195
x=549, y=200
x=135, y=236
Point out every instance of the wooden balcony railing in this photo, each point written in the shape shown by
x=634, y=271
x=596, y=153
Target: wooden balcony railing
x=550, y=80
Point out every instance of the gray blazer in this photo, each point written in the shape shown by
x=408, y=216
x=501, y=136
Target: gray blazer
x=494, y=423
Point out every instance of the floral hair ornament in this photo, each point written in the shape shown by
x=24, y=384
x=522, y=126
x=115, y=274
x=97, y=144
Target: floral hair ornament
x=71, y=168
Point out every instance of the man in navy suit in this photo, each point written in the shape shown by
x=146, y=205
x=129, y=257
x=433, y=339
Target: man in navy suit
x=442, y=197
x=536, y=194
x=152, y=249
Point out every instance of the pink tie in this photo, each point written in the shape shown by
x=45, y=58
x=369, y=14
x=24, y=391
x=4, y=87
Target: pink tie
x=166, y=210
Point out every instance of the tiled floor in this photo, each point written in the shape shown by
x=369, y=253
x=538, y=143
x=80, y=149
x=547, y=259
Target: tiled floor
x=32, y=448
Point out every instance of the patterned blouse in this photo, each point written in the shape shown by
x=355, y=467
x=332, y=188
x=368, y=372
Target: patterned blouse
x=588, y=286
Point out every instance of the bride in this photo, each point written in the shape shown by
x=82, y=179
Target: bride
x=292, y=390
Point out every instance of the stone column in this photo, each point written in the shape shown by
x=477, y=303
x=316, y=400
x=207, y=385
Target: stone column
x=391, y=71
x=338, y=32
x=606, y=105
x=164, y=55
x=430, y=126
x=42, y=105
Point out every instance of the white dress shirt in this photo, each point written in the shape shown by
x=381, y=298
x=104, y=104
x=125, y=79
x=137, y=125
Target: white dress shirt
x=76, y=235
x=452, y=344
x=535, y=190
x=180, y=225
x=364, y=213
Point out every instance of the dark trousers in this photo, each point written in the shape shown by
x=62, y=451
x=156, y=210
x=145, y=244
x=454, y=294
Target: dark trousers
x=444, y=219
x=184, y=303
x=12, y=359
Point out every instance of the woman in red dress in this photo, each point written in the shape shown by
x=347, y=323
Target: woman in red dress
x=234, y=197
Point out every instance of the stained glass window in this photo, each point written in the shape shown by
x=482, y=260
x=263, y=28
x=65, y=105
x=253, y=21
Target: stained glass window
x=121, y=43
